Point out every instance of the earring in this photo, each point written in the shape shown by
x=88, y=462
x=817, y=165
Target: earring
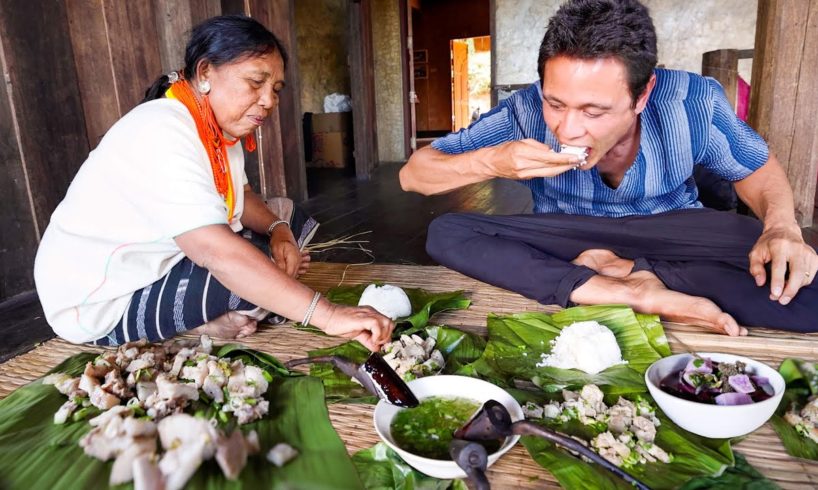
x=204, y=87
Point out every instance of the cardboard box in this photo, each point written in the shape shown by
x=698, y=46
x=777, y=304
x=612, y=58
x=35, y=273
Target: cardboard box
x=332, y=140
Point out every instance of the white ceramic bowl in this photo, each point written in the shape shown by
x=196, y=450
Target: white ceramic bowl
x=716, y=421
x=449, y=386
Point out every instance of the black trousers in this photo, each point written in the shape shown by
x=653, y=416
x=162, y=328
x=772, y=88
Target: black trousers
x=700, y=252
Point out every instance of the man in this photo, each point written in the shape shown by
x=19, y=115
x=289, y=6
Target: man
x=626, y=225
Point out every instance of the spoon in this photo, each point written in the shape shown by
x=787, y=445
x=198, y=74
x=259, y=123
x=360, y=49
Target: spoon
x=493, y=422
x=472, y=458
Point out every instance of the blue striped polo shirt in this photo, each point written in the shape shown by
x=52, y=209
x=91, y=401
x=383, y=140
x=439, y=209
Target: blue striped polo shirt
x=688, y=121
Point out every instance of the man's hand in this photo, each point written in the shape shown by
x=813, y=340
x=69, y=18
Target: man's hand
x=527, y=159
x=285, y=253
x=793, y=262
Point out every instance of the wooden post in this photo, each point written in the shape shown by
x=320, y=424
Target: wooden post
x=362, y=76
x=281, y=148
x=173, y=23
x=722, y=65
x=282, y=23
x=784, y=96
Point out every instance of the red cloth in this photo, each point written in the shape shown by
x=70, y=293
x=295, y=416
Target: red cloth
x=742, y=98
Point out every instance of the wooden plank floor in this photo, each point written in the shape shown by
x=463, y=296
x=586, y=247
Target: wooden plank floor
x=396, y=220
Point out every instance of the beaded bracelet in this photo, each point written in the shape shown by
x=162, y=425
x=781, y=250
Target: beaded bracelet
x=274, y=224
x=311, y=309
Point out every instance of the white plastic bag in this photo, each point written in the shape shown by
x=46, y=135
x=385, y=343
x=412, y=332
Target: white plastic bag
x=337, y=103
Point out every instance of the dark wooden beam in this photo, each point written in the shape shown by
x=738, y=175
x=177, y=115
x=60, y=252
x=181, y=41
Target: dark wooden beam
x=408, y=80
x=45, y=99
x=92, y=59
x=204, y=9
x=362, y=76
x=282, y=23
x=282, y=170
x=18, y=241
x=784, y=98
x=722, y=65
x=174, y=19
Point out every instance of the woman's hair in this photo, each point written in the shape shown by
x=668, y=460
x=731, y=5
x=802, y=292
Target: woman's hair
x=219, y=41
x=594, y=29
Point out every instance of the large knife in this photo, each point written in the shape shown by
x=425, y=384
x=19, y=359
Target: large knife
x=374, y=374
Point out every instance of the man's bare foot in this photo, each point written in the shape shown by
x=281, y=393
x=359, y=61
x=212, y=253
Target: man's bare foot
x=231, y=325
x=646, y=293
x=604, y=262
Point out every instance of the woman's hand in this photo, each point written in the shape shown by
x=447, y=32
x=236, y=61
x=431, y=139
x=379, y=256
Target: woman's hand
x=361, y=323
x=285, y=252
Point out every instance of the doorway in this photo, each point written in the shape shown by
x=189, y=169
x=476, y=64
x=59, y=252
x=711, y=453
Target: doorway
x=471, y=79
x=445, y=39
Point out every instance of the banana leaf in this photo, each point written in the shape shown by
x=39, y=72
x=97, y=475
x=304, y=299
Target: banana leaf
x=517, y=342
x=693, y=456
x=742, y=476
x=801, y=378
x=258, y=358
x=39, y=454
x=459, y=348
x=380, y=468
x=424, y=305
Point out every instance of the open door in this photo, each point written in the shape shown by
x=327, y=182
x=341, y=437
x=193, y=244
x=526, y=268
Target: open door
x=460, y=84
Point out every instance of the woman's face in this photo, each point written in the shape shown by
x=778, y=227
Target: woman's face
x=243, y=93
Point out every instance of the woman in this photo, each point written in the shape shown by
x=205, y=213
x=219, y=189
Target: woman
x=146, y=244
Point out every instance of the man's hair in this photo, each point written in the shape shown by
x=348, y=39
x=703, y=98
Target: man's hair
x=596, y=29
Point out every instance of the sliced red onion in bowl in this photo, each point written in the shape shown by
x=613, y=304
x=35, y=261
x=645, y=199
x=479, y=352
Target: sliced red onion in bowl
x=741, y=383
x=733, y=399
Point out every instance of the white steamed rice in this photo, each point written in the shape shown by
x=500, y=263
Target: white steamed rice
x=587, y=346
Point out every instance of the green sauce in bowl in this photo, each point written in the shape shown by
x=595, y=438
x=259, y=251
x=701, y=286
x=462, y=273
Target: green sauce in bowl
x=427, y=429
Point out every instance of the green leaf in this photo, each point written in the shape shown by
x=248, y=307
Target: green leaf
x=261, y=359
x=457, y=347
x=692, y=456
x=39, y=454
x=742, y=476
x=517, y=343
x=380, y=468
x=337, y=385
x=424, y=304
x=801, y=378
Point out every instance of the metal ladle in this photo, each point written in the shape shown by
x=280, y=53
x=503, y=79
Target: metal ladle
x=493, y=422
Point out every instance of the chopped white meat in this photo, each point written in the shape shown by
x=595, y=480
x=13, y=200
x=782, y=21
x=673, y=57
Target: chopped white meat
x=610, y=448
x=231, y=454
x=179, y=360
x=188, y=441
x=65, y=411
x=115, y=385
x=122, y=469
x=146, y=474
x=281, y=454
x=168, y=389
x=145, y=389
x=102, y=399
x=644, y=429
x=532, y=411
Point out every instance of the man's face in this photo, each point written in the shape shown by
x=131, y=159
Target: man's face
x=588, y=103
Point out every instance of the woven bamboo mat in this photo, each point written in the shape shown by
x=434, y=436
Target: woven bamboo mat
x=516, y=469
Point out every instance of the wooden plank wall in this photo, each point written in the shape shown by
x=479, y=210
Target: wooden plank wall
x=42, y=124
x=784, y=96
x=71, y=69
x=362, y=76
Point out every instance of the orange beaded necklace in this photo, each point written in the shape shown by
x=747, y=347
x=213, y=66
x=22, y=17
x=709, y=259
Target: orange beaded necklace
x=212, y=138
